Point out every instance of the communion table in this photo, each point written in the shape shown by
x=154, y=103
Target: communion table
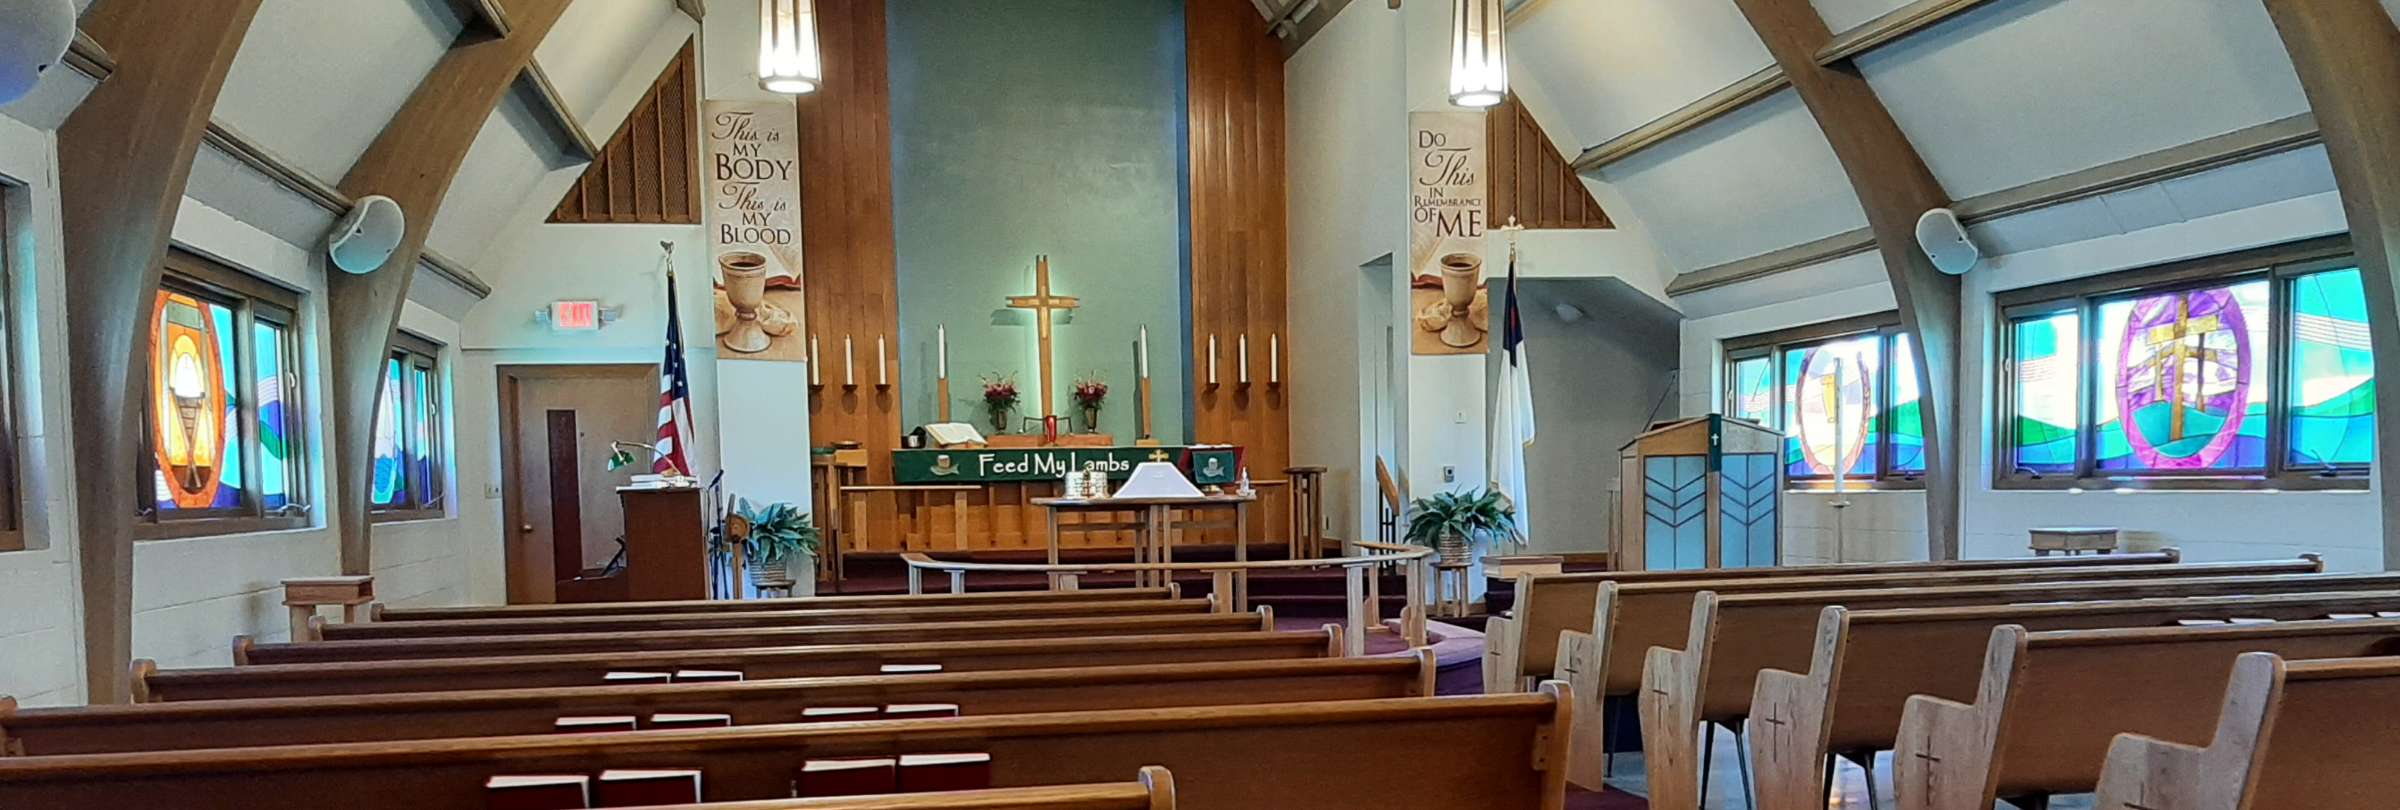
x=1153, y=540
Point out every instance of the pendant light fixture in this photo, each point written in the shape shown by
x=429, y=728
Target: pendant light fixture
x=1478, y=53
x=788, y=59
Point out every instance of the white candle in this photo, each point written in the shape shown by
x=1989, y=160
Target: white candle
x=815, y=375
x=1275, y=359
x=1212, y=359
x=1144, y=355
x=1242, y=359
x=882, y=366
x=849, y=369
x=941, y=351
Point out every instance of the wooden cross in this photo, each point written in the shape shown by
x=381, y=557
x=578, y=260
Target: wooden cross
x=2167, y=364
x=1042, y=303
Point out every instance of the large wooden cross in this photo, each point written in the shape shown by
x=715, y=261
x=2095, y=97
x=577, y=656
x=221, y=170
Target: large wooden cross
x=2166, y=365
x=1042, y=303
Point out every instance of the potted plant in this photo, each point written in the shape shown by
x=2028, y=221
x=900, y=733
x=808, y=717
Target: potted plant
x=1090, y=392
x=1453, y=522
x=999, y=395
x=770, y=537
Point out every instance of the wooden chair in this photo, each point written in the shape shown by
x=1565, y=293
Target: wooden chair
x=1154, y=790
x=2050, y=703
x=828, y=617
x=1549, y=605
x=383, y=613
x=1866, y=664
x=587, y=669
x=1301, y=756
x=2297, y=734
x=308, y=652
x=484, y=713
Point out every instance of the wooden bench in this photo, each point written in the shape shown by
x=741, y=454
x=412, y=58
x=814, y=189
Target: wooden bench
x=380, y=612
x=2298, y=734
x=588, y=669
x=357, y=718
x=2050, y=703
x=1154, y=790
x=440, y=628
x=245, y=651
x=1521, y=646
x=1710, y=678
x=1300, y=756
x=1866, y=664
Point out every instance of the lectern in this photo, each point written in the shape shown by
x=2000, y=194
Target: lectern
x=666, y=544
x=1702, y=492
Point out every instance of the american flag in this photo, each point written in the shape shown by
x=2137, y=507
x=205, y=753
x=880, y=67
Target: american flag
x=674, y=391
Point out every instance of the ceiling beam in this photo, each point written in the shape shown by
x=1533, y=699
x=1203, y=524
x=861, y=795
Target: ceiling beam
x=272, y=166
x=1891, y=27
x=484, y=16
x=124, y=157
x=695, y=9
x=2347, y=53
x=88, y=58
x=413, y=162
x=557, y=118
x=1894, y=187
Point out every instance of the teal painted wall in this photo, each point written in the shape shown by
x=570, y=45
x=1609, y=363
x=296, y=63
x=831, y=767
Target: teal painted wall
x=1023, y=127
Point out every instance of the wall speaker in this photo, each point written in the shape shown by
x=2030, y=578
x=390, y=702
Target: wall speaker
x=34, y=35
x=1944, y=240
x=366, y=237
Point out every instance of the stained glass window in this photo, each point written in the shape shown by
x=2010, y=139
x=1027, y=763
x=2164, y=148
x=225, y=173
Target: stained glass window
x=197, y=420
x=410, y=469
x=1830, y=407
x=390, y=486
x=1752, y=383
x=221, y=452
x=2192, y=378
x=1903, y=421
x=275, y=457
x=1844, y=394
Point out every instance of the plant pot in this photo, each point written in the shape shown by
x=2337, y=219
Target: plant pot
x=1455, y=550
x=1091, y=418
x=770, y=577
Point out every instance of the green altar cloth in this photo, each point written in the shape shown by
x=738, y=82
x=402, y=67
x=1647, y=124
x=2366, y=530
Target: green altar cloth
x=1206, y=466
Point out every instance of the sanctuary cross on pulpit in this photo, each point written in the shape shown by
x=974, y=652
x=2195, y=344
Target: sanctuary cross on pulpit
x=1042, y=303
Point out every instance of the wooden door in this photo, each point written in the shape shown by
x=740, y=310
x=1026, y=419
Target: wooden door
x=559, y=497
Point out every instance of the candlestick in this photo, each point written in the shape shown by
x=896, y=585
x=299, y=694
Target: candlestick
x=1275, y=359
x=1144, y=354
x=883, y=374
x=849, y=369
x=1241, y=368
x=1212, y=359
x=941, y=351
x=815, y=369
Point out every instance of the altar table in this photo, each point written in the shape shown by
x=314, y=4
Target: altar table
x=1155, y=531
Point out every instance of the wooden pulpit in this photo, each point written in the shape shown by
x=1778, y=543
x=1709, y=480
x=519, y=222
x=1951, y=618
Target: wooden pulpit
x=666, y=544
x=1703, y=492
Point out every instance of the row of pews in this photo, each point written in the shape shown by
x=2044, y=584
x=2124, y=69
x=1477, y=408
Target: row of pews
x=1085, y=700
x=2155, y=683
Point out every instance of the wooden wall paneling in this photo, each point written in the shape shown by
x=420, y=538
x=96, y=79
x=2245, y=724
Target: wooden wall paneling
x=2348, y=55
x=124, y=157
x=846, y=214
x=413, y=161
x=644, y=173
x=1895, y=187
x=1530, y=180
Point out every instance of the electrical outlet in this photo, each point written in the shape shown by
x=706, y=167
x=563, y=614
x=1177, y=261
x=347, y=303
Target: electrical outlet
x=1449, y=474
x=491, y=492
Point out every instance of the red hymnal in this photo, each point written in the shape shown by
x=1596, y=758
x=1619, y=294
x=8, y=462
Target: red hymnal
x=618, y=722
x=931, y=773
x=919, y=711
x=623, y=678
x=550, y=792
x=839, y=714
x=690, y=720
x=910, y=669
x=849, y=777
x=643, y=788
x=706, y=676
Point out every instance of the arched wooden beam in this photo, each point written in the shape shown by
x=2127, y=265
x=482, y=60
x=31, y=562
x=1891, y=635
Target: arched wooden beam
x=2348, y=55
x=413, y=162
x=123, y=159
x=1894, y=187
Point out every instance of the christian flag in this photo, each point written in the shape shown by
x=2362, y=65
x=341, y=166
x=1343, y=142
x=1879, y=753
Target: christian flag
x=674, y=393
x=1512, y=408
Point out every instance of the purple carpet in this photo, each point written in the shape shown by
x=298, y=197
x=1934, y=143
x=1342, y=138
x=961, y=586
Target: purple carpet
x=1613, y=799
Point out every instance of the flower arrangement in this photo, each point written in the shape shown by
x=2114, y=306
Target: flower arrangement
x=1090, y=392
x=999, y=396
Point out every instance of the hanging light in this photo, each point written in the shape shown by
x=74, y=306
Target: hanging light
x=788, y=59
x=1478, y=53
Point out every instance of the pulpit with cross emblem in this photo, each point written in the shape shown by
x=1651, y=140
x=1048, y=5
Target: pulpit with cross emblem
x=1703, y=492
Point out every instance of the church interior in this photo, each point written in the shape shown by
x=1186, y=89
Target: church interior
x=1203, y=404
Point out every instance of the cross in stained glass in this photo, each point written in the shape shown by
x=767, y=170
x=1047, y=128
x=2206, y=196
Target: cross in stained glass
x=2170, y=350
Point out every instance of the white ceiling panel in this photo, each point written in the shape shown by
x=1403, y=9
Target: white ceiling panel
x=2022, y=91
x=1612, y=65
x=315, y=81
x=223, y=183
x=2261, y=181
x=1843, y=15
x=1758, y=180
x=509, y=158
x=594, y=44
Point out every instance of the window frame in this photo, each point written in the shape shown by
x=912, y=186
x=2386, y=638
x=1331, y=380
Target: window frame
x=413, y=352
x=1771, y=346
x=2280, y=265
x=12, y=492
x=253, y=300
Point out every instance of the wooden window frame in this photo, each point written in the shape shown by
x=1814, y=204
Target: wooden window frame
x=2280, y=265
x=12, y=492
x=1772, y=345
x=413, y=352
x=253, y=300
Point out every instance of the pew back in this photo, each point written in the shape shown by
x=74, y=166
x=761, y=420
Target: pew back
x=384, y=613
x=438, y=628
x=1155, y=790
x=2290, y=734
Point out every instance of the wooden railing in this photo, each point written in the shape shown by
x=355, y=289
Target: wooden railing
x=1361, y=582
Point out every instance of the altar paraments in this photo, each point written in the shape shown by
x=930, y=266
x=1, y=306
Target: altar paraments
x=1206, y=466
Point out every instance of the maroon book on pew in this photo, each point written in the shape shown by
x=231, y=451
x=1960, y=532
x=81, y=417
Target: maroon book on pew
x=864, y=776
x=933, y=773
x=538, y=792
x=577, y=725
x=690, y=720
x=839, y=714
x=642, y=788
x=919, y=711
x=706, y=676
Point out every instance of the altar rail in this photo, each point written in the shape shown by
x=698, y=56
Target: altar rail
x=1361, y=575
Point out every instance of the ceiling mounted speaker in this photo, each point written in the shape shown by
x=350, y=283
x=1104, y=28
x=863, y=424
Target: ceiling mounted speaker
x=34, y=35
x=1944, y=240
x=366, y=237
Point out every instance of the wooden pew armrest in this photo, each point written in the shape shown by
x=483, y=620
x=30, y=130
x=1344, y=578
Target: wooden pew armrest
x=2144, y=772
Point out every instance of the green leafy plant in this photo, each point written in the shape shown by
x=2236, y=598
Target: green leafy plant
x=1473, y=516
x=771, y=534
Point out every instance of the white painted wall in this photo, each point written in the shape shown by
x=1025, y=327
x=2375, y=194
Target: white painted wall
x=40, y=604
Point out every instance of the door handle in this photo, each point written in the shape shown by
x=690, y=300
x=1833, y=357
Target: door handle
x=525, y=529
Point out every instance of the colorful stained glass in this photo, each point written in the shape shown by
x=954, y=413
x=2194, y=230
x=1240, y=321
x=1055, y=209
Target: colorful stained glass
x=195, y=428
x=390, y=485
x=1754, y=390
x=274, y=417
x=424, y=462
x=2047, y=356
x=2186, y=380
x=2330, y=397
x=1906, y=422
x=1829, y=407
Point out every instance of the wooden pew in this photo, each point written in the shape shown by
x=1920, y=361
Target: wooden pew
x=2051, y=702
x=246, y=651
x=1709, y=678
x=486, y=713
x=1154, y=790
x=380, y=612
x=1866, y=664
x=1550, y=604
x=1300, y=756
x=588, y=669
x=438, y=628
x=2297, y=734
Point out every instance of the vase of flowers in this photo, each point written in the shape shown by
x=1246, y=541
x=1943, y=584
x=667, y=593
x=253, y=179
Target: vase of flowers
x=1090, y=392
x=999, y=397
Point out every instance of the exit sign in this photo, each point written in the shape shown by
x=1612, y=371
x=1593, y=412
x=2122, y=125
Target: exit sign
x=575, y=316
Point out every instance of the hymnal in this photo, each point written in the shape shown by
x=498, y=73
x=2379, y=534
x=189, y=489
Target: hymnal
x=930, y=773
x=706, y=676
x=614, y=722
x=690, y=720
x=538, y=792
x=838, y=714
x=644, y=788
x=910, y=669
x=919, y=711
x=848, y=777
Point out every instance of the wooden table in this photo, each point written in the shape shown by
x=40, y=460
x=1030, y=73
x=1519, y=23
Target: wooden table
x=302, y=595
x=2074, y=540
x=1154, y=535
x=1447, y=575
